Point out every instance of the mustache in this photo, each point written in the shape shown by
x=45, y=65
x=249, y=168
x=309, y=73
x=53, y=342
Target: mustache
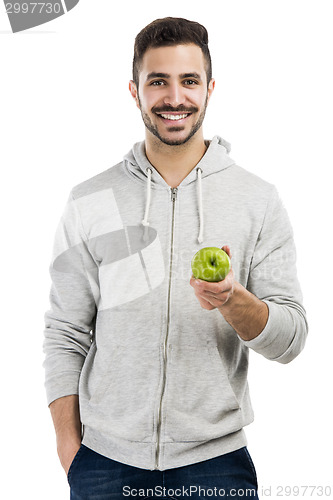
x=170, y=109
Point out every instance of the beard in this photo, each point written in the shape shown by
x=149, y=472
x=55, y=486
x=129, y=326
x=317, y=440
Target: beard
x=170, y=142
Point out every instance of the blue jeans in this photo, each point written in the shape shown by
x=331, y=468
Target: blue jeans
x=94, y=477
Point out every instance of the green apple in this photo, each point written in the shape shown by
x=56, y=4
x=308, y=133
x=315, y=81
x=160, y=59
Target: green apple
x=210, y=264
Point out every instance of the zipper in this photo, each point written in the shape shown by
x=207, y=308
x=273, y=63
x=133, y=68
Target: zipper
x=159, y=420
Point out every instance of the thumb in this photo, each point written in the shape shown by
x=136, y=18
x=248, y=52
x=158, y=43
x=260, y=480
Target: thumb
x=227, y=250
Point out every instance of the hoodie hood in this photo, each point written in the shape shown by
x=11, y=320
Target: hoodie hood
x=214, y=160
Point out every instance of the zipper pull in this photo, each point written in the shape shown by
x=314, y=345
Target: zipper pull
x=174, y=194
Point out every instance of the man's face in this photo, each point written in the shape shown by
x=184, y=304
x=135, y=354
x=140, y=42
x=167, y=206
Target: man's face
x=172, y=94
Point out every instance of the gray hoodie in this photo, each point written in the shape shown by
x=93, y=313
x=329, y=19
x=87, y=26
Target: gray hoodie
x=162, y=382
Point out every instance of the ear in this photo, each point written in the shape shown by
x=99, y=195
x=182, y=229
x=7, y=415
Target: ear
x=211, y=87
x=134, y=92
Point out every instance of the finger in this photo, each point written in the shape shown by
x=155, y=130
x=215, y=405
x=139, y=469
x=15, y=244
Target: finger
x=213, y=296
x=223, y=286
x=217, y=300
x=205, y=303
x=192, y=281
x=213, y=301
x=212, y=287
x=227, y=250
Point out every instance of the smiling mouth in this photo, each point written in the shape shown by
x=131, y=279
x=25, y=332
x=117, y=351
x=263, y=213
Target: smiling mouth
x=173, y=117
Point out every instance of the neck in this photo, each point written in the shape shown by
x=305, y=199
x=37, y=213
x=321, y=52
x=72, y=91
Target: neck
x=174, y=163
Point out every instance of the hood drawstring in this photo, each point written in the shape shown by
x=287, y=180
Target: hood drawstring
x=201, y=221
x=145, y=222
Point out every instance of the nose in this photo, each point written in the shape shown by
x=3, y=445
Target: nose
x=174, y=95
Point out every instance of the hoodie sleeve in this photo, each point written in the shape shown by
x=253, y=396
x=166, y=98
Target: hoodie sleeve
x=70, y=320
x=273, y=279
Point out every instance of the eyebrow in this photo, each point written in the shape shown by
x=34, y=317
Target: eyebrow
x=166, y=75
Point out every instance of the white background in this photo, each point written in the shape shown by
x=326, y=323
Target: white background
x=66, y=115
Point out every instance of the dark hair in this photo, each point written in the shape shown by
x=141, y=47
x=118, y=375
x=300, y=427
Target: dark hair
x=167, y=32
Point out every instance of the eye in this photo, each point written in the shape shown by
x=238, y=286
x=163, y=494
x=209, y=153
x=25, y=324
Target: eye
x=190, y=82
x=157, y=83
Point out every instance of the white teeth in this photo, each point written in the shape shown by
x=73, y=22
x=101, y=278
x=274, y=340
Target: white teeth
x=174, y=117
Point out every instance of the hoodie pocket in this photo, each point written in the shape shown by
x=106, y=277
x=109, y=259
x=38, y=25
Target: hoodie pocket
x=201, y=404
x=120, y=395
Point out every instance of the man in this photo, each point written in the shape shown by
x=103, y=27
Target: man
x=148, y=362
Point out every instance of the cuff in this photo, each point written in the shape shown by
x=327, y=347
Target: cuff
x=60, y=385
x=275, y=339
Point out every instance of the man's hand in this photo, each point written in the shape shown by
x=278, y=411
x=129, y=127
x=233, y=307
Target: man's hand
x=214, y=295
x=240, y=308
x=67, y=451
x=66, y=419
